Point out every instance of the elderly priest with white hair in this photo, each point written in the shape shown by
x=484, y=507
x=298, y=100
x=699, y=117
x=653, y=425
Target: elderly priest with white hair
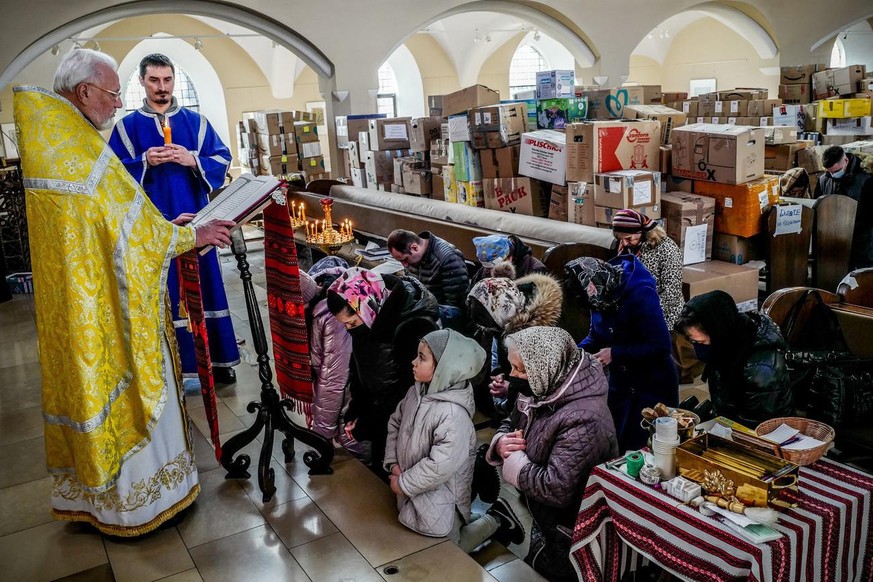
x=117, y=437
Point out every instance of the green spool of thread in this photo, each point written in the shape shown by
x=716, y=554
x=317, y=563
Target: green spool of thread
x=635, y=462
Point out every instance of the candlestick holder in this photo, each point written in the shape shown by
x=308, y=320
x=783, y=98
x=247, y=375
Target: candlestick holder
x=327, y=238
x=298, y=215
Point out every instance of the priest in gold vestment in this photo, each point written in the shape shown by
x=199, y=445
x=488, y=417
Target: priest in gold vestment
x=117, y=438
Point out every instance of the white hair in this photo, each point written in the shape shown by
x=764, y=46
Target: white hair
x=80, y=66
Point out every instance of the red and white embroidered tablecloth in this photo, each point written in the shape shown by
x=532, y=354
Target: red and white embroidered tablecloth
x=826, y=538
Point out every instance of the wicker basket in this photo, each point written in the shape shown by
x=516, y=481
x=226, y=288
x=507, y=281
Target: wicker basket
x=806, y=426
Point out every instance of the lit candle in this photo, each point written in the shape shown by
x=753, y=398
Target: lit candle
x=302, y=211
x=168, y=133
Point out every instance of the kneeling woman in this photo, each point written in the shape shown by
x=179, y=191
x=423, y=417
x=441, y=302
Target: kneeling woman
x=560, y=430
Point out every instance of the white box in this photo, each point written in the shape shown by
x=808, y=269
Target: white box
x=850, y=126
x=555, y=84
x=359, y=177
x=544, y=156
x=459, y=128
x=790, y=115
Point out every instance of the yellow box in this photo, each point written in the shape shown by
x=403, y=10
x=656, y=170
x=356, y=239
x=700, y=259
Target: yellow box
x=842, y=108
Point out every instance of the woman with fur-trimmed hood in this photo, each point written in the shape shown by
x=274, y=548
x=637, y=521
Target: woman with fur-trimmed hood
x=500, y=307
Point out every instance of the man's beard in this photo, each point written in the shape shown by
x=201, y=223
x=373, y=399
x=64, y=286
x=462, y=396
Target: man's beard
x=162, y=99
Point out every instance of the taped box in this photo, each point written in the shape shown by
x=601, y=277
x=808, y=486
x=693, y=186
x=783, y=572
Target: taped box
x=681, y=211
x=496, y=126
x=627, y=189
x=580, y=203
x=727, y=154
x=604, y=146
x=668, y=118
x=739, y=208
x=517, y=195
x=544, y=156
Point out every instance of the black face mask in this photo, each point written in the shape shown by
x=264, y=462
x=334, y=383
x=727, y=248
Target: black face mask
x=703, y=352
x=520, y=385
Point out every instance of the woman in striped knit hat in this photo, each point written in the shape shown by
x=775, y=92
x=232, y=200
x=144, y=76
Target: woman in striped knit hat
x=641, y=236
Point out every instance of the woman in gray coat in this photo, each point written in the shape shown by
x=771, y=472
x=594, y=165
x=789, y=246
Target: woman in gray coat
x=431, y=447
x=561, y=428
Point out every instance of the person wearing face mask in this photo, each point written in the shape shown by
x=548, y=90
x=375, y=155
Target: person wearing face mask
x=504, y=256
x=560, y=430
x=432, y=445
x=744, y=355
x=629, y=337
x=850, y=175
x=386, y=316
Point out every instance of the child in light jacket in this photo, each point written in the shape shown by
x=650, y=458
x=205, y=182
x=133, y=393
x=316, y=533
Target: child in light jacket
x=431, y=447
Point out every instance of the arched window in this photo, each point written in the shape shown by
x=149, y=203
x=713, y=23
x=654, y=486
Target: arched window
x=838, y=54
x=526, y=62
x=386, y=97
x=183, y=91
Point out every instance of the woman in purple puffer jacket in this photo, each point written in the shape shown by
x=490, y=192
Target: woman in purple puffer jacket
x=560, y=430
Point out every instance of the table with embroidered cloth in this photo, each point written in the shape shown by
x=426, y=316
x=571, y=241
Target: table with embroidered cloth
x=623, y=524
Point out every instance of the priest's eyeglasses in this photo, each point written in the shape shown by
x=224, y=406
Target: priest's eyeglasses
x=115, y=94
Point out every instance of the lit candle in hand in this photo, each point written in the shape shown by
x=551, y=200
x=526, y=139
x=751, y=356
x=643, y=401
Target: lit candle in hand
x=168, y=133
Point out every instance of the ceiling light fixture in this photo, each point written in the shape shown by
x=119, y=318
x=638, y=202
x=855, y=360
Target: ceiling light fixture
x=198, y=44
x=56, y=50
x=77, y=45
x=476, y=36
x=537, y=36
x=488, y=37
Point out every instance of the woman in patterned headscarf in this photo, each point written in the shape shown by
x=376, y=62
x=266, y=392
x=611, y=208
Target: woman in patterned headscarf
x=560, y=430
x=386, y=316
x=629, y=337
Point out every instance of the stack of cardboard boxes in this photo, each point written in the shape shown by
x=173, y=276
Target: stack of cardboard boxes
x=280, y=143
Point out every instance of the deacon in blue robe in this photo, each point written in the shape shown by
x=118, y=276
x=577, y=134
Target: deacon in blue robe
x=176, y=189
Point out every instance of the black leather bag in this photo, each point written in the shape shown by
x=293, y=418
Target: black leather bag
x=837, y=386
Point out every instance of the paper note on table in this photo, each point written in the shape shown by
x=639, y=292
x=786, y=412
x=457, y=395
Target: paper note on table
x=782, y=434
x=803, y=443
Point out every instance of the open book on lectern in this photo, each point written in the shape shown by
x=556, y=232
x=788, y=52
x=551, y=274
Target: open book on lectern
x=239, y=201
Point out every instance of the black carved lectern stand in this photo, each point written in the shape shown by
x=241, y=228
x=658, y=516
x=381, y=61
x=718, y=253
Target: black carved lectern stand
x=271, y=410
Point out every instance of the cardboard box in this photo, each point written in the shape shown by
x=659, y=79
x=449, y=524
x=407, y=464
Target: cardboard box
x=517, y=195
x=279, y=165
x=531, y=105
x=799, y=75
x=500, y=162
x=606, y=146
x=596, y=99
x=671, y=183
x=681, y=211
x=438, y=185
x=665, y=160
x=404, y=165
x=471, y=193
x=580, y=203
x=557, y=113
x=468, y=166
x=739, y=208
x=603, y=214
x=668, y=118
x=363, y=143
x=638, y=94
x=305, y=131
x=271, y=121
x=781, y=157
x=762, y=107
x=735, y=249
x=359, y=177
x=312, y=166
x=673, y=96
x=355, y=158
x=355, y=124
x=739, y=93
x=552, y=84
x=842, y=108
x=389, y=134
x=450, y=184
x=544, y=156
x=738, y=108
x=275, y=144
x=780, y=134
x=627, y=189
x=691, y=109
x=810, y=159
x=475, y=96
x=435, y=105
x=439, y=151
x=459, y=128
x=829, y=140
x=795, y=94
x=309, y=149
x=728, y=154
x=558, y=200
x=422, y=130
x=497, y=126
x=837, y=82
x=738, y=281
x=380, y=165
x=417, y=181
x=790, y=115
x=844, y=127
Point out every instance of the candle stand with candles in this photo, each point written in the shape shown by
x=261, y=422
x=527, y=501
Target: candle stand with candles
x=323, y=234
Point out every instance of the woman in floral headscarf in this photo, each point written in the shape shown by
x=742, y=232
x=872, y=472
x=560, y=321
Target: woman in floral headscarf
x=386, y=316
x=560, y=430
x=629, y=337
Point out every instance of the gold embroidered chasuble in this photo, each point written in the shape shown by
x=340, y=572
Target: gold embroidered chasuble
x=100, y=252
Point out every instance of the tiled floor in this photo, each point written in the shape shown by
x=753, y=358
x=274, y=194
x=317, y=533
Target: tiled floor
x=341, y=527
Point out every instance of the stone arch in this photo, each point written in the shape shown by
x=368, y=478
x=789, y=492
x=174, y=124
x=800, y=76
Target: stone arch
x=831, y=35
x=259, y=23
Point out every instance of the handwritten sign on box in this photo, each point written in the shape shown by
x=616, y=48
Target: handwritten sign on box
x=788, y=219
